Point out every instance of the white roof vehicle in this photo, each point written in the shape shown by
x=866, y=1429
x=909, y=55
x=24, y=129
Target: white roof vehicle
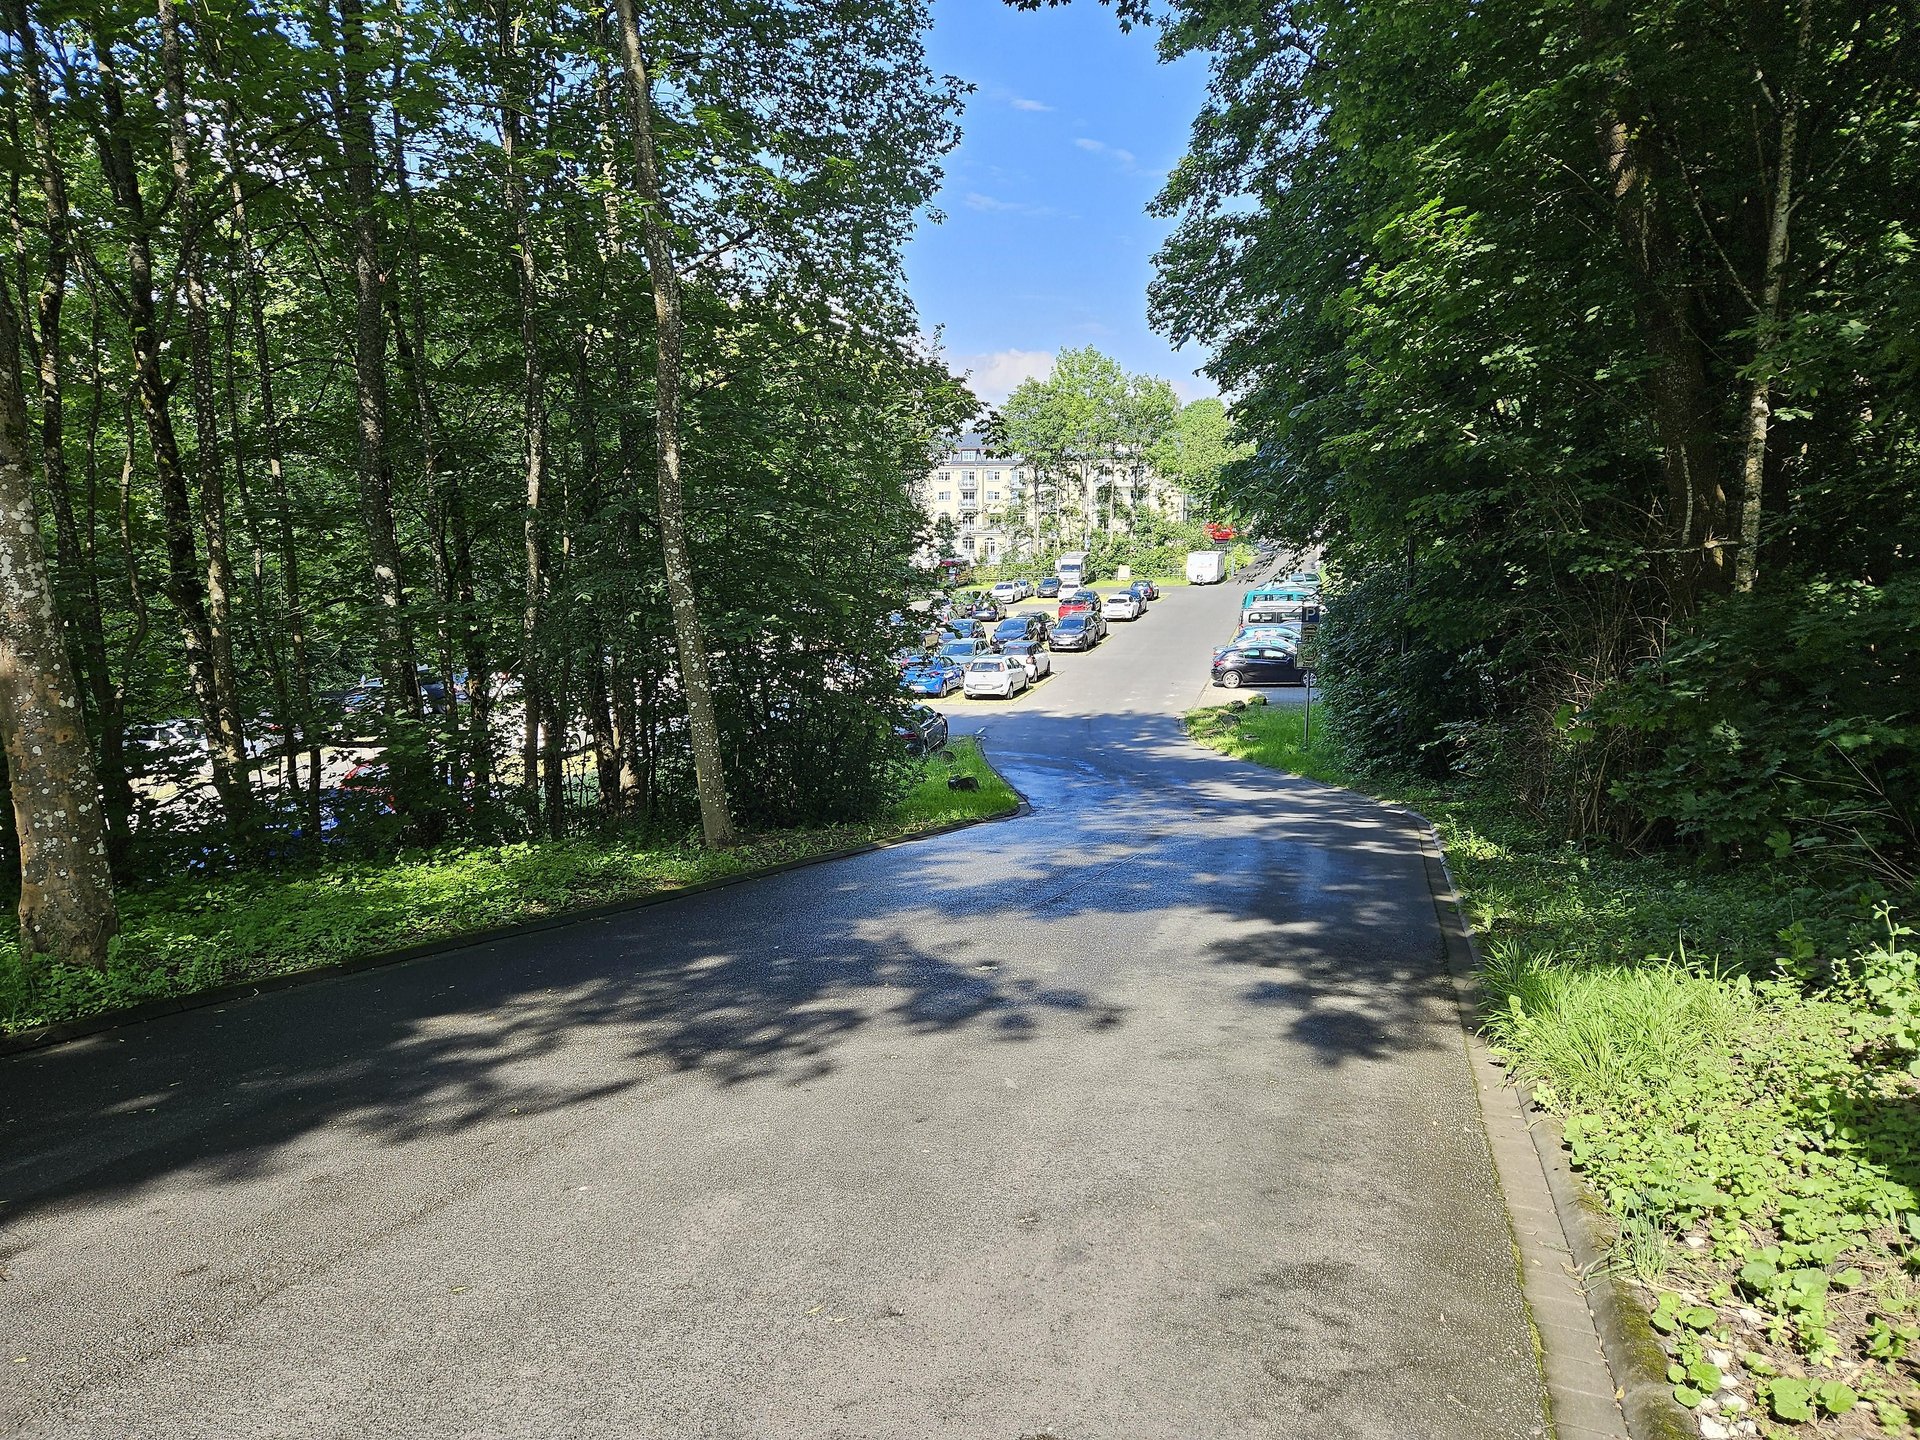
x=995, y=675
x=1124, y=606
x=1008, y=591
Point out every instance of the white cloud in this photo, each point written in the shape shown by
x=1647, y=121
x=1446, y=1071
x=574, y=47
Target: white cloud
x=1021, y=102
x=994, y=205
x=1125, y=159
x=994, y=376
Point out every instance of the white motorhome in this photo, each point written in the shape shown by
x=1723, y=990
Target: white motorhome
x=1073, y=570
x=1206, y=567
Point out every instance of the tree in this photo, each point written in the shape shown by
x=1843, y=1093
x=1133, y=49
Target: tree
x=66, y=890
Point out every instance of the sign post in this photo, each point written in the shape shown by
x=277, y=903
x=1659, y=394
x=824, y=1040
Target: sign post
x=1309, y=658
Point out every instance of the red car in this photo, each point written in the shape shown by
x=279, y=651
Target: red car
x=1078, y=601
x=1217, y=532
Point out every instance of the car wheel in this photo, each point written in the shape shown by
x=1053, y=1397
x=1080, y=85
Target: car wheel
x=1230, y=680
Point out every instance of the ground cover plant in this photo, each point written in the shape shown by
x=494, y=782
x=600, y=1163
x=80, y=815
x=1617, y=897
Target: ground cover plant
x=194, y=935
x=1733, y=1054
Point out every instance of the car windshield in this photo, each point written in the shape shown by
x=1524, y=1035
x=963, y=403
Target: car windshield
x=958, y=647
x=987, y=664
x=1072, y=623
x=1020, y=647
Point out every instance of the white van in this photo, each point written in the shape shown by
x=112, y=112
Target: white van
x=1073, y=570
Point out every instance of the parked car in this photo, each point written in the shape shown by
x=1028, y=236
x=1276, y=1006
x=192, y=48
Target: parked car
x=1079, y=631
x=1258, y=665
x=986, y=608
x=1079, y=600
x=1010, y=592
x=1124, y=606
x=1049, y=587
x=923, y=731
x=966, y=628
x=1033, y=655
x=1287, y=637
x=1145, y=589
x=995, y=675
x=935, y=676
x=962, y=651
x=1021, y=627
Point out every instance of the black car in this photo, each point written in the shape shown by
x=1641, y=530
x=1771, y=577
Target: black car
x=1079, y=631
x=1258, y=665
x=923, y=731
x=1021, y=627
x=986, y=608
x=1049, y=586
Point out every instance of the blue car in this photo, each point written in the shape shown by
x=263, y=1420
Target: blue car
x=1049, y=587
x=965, y=629
x=934, y=676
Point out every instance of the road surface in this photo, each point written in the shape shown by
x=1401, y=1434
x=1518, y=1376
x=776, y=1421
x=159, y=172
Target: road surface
x=1146, y=1115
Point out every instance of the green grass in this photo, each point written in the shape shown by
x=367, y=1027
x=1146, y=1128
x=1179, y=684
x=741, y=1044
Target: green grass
x=1736, y=1058
x=197, y=935
x=1270, y=735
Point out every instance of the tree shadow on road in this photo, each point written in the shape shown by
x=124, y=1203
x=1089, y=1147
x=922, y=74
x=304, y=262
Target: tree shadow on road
x=1315, y=897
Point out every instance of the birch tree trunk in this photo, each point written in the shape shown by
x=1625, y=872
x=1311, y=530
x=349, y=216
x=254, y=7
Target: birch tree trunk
x=1753, y=458
x=66, y=886
x=716, y=821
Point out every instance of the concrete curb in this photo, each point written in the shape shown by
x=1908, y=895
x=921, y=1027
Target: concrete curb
x=1565, y=1267
x=80, y=1029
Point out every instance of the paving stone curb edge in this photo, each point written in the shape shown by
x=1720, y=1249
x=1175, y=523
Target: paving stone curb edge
x=1634, y=1355
x=80, y=1029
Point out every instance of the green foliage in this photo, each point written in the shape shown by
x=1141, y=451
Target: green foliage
x=1495, y=332
x=1787, y=722
x=195, y=935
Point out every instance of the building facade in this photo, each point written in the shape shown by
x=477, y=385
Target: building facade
x=1002, y=512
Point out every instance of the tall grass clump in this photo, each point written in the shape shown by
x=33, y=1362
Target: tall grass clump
x=1589, y=1035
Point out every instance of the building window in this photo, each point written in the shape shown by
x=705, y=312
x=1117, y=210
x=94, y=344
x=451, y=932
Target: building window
x=944, y=495
x=995, y=477
x=967, y=542
x=972, y=478
x=993, y=494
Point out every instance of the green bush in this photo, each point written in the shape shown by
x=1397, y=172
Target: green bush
x=1787, y=722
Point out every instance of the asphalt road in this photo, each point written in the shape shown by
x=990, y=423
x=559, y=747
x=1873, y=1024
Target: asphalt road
x=1146, y=1115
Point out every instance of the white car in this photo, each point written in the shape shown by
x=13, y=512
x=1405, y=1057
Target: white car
x=1001, y=675
x=1124, y=606
x=1007, y=592
x=1032, y=655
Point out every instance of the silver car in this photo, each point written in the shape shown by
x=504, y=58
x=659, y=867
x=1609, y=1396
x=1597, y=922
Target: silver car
x=1032, y=655
x=1000, y=675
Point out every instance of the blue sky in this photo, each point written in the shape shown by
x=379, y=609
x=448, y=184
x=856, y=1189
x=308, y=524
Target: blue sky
x=1047, y=243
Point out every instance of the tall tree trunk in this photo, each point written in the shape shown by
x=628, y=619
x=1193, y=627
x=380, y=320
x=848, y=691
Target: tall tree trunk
x=229, y=735
x=399, y=674
x=1692, y=455
x=1753, y=460
x=185, y=587
x=533, y=404
x=305, y=730
x=716, y=820
x=75, y=584
x=453, y=531
x=66, y=886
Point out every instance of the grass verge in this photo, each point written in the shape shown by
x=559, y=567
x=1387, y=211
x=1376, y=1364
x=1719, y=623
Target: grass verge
x=1734, y=1058
x=193, y=936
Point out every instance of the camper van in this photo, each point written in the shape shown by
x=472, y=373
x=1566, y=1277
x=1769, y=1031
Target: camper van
x=1073, y=570
x=1206, y=567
